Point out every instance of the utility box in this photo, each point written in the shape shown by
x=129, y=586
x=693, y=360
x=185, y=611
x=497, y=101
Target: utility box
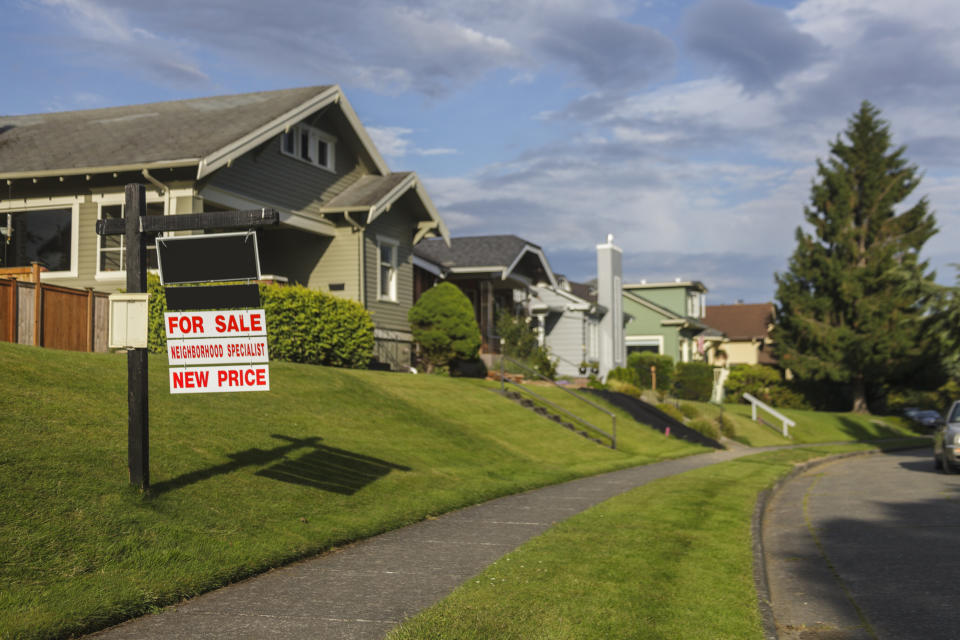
x=128, y=320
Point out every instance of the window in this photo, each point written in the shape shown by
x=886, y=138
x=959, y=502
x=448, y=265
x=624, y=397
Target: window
x=387, y=274
x=309, y=144
x=44, y=236
x=112, y=253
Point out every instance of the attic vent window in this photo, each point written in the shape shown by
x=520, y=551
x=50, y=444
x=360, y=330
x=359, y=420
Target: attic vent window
x=309, y=144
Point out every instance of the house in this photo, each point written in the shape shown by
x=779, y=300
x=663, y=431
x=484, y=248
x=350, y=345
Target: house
x=668, y=318
x=348, y=224
x=497, y=273
x=747, y=328
x=568, y=323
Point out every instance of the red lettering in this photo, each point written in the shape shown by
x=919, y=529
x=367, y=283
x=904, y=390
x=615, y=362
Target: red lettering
x=177, y=380
x=198, y=324
x=235, y=379
x=261, y=377
x=221, y=327
x=250, y=377
x=232, y=324
x=189, y=379
x=255, y=322
x=221, y=377
x=171, y=324
x=203, y=378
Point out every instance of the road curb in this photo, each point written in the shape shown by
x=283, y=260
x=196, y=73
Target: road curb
x=760, y=577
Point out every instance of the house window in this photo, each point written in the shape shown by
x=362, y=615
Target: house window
x=309, y=144
x=112, y=249
x=387, y=273
x=44, y=236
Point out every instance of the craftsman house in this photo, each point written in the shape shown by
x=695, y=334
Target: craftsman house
x=348, y=224
x=668, y=318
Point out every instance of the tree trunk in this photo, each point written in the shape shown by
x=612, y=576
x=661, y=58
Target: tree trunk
x=859, y=396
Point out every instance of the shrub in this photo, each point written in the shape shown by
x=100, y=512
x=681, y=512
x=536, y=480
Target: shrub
x=705, y=427
x=518, y=340
x=304, y=326
x=694, y=381
x=641, y=363
x=689, y=411
x=443, y=324
x=314, y=327
x=624, y=387
x=671, y=411
x=765, y=383
x=624, y=374
x=727, y=427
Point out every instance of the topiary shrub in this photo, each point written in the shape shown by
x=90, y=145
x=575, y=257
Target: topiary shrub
x=694, y=381
x=642, y=361
x=444, y=326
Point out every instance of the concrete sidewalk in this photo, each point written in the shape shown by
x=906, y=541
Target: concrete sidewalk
x=365, y=589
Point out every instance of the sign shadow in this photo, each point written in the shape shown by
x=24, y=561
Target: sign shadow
x=321, y=467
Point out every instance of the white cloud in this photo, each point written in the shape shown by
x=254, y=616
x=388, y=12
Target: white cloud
x=392, y=142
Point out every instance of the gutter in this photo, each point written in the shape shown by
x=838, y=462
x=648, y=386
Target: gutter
x=162, y=189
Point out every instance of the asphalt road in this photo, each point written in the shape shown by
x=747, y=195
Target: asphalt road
x=866, y=547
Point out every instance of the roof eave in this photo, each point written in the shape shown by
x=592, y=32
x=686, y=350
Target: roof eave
x=118, y=168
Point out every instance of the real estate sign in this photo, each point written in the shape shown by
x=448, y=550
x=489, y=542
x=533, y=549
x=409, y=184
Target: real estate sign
x=234, y=341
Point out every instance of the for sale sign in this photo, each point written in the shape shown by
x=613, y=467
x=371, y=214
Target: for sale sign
x=234, y=341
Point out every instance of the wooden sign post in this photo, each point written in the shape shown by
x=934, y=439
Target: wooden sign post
x=134, y=226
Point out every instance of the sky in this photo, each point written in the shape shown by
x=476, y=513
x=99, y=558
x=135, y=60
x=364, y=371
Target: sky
x=690, y=130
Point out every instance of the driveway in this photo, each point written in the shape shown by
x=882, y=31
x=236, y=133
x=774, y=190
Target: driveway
x=866, y=547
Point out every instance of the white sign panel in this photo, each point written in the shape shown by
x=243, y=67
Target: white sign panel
x=215, y=324
x=220, y=379
x=217, y=351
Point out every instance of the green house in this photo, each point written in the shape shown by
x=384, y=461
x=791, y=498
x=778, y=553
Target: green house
x=667, y=318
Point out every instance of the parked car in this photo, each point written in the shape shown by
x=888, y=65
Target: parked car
x=928, y=419
x=946, y=442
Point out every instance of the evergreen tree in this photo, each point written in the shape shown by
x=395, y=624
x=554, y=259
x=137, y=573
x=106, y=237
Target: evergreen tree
x=850, y=308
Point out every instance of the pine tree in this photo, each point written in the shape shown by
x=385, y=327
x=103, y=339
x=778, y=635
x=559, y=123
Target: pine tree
x=850, y=307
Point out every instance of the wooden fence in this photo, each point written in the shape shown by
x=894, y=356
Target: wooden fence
x=51, y=316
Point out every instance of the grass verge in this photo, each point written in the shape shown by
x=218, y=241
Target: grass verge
x=242, y=482
x=671, y=560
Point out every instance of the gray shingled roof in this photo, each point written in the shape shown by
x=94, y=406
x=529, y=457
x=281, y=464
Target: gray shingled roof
x=146, y=133
x=367, y=192
x=473, y=251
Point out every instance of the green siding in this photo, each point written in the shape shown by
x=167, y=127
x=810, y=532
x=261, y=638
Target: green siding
x=674, y=298
x=398, y=225
x=646, y=322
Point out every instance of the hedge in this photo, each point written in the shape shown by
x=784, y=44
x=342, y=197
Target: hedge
x=693, y=381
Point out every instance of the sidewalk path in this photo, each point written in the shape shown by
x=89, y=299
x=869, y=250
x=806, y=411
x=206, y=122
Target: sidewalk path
x=363, y=590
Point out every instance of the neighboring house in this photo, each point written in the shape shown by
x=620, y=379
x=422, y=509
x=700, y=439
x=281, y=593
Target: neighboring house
x=497, y=273
x=347, y=223
x=747, y=327
x=668, y=318
x=568, y=322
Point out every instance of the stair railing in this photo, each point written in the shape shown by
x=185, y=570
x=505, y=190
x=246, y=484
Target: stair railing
x=612, y=437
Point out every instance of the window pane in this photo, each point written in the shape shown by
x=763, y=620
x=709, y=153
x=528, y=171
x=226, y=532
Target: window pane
x=305, y=145
x=37, y=236
x=289, y=142
x=111, y=260
x=385, y=274
x=322, y=153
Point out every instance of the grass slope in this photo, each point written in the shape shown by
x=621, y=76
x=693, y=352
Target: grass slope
x=669, y=560
x=241, y=482
x=820, y=426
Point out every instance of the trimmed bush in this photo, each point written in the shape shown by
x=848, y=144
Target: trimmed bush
x=694, y=381
x=671, y=411
x=705, y=427
x=727, y=427
x=624, y=374
x=689, y=411
x=641, y=363
x=310, y=327
x=444, y=326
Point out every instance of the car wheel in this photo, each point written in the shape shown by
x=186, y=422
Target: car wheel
x=937, y=462
x=947, y=467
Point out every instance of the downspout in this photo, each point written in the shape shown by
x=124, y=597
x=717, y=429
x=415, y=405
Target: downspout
x=360, y=251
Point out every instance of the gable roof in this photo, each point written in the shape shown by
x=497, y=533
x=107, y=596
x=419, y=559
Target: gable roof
x=503, y=253
x=686, y=284
x=375, y=195
x=204, y=132
x=670, y=318
x=741, y=321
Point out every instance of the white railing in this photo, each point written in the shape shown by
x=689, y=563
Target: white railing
x=756, y=402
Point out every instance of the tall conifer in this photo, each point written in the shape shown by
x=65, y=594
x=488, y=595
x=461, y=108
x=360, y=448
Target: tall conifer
x=850, y=306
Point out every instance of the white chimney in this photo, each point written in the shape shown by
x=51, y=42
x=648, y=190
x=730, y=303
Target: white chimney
x=612, y=348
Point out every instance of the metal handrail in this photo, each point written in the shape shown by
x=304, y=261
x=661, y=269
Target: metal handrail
x=613, y=417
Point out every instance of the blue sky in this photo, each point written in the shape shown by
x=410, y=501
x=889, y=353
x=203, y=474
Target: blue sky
x=690, y=129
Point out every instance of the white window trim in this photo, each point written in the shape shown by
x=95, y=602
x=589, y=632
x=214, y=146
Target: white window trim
x=314, y=135
x=114, y=199
x=636, y=341
x=32, y=204
x=395, y=245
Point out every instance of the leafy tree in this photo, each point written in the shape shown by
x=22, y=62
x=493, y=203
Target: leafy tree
x=519, y=341
x=850, y=307
x=444, y=326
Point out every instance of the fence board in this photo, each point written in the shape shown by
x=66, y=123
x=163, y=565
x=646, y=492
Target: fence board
x=65, y=318
x=25, y=321
x=8, y=310
x=101, y=322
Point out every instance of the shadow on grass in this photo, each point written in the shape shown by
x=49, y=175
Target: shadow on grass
x=321, y=467
x=860, y=432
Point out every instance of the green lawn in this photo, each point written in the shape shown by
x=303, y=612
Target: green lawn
x=669, y=560
x=242, y=482
x=824, y=426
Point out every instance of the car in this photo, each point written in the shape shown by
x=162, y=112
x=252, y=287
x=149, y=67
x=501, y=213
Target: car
x=946, y=442
x=928, y=419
